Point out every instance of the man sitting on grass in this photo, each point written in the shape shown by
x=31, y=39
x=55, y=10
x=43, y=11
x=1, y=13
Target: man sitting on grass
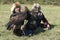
x=34, y=19
x=39, y=16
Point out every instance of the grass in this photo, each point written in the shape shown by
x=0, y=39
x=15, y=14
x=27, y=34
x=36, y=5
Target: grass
x=52, y=13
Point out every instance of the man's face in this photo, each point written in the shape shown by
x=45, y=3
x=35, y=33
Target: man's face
x=17, y=10
x=36, y=9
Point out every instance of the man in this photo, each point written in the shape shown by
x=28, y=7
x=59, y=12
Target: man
x=35, y=18
x=17, y=21
x=15, y=6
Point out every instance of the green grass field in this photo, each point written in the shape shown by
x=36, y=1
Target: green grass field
x=52, y=13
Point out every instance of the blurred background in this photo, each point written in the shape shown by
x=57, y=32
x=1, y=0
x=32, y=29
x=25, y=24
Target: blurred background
x=45, y=2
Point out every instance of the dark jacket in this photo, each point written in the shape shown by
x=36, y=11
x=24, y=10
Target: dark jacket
x=38, y=17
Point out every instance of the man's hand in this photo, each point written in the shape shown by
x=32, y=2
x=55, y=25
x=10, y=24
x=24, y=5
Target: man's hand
x=48, y=27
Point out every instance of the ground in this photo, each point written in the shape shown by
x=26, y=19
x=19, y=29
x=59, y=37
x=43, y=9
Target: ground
x=52, y=13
